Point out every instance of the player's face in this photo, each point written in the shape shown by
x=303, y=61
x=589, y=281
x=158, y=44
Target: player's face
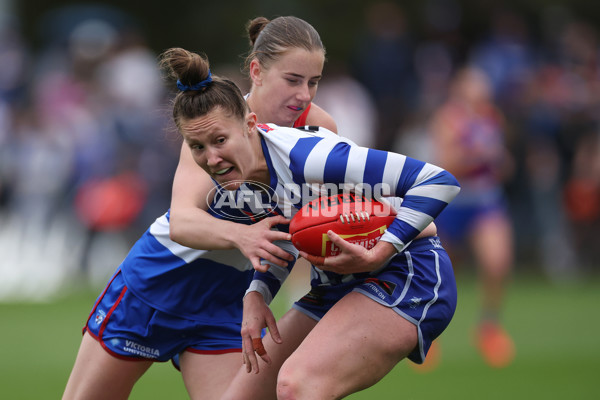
x=223, y=146
x=282, y=92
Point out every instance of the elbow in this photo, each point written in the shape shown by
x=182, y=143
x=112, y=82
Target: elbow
x=176, y=233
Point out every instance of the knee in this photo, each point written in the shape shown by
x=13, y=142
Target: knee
x=289, y=383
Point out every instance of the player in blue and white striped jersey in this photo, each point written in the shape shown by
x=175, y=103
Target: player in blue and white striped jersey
x=412, y=275
x=385, y=304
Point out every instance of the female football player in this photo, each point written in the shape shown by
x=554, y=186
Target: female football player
x=368, y=309
x=169, y=301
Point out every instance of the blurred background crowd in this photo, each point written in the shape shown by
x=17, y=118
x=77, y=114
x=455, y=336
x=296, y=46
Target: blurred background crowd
x=87, y=151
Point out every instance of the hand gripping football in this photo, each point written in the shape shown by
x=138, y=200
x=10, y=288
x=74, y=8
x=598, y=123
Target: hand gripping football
x=355, y=218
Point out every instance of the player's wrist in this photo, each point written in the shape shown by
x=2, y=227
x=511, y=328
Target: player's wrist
x=258, y=287
x=381, y=254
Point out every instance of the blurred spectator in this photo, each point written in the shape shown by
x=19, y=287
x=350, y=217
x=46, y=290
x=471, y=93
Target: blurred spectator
x=468, y=138
x=384, y=65
x=507, y=57
x=349, y=103
x=71, y=117
x=582, y=199
x=91, y=127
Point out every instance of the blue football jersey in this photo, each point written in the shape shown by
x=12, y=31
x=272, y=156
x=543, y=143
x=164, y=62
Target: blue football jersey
x=199, y=284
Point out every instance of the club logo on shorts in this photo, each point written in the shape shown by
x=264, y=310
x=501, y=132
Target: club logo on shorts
x=414, y=302
x=100, y=315
x=436, y=243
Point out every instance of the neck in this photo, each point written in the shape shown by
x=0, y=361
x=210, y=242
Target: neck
x=261, y=169
x=251, y=101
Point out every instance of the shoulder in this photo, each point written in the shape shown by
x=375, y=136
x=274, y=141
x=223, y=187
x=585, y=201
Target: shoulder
x=319, y=117
x=281, y=136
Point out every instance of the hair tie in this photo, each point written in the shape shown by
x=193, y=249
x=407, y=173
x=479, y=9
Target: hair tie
x=197, y=86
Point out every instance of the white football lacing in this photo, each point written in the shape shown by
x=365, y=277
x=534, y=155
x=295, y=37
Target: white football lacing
x=355, y=217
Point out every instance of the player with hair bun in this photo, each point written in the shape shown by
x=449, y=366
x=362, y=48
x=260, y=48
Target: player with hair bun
x=168, y=300
x=380, y=305
x=285, y=65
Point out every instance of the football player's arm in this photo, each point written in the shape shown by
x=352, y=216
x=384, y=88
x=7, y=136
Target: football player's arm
x=425, y=188
x=257, y=314
x=192, y=226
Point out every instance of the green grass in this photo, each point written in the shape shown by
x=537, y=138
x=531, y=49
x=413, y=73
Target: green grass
x=556, y=330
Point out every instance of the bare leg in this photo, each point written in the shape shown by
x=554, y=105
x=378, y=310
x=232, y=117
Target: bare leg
x=206, y=376
x=353, y=347
x=293, y=327
x=98, y=375
x=493, y=249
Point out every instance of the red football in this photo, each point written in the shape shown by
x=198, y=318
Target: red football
x=355, y=218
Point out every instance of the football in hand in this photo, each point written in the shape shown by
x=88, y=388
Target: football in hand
x=354, y=218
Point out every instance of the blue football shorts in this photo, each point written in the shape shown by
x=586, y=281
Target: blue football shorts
x=418, y=284
x=129, y=329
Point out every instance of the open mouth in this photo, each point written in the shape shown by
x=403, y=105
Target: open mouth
x=223, y=171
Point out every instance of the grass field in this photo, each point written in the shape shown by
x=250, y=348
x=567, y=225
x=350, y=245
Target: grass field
x=556, y=329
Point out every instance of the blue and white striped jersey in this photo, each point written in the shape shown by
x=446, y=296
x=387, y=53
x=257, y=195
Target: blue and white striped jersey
x=301, y=161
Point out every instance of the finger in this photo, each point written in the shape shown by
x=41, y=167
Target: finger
x=274, y=236
x=277, y=252
x=315, y=260
x=245, y=359
x=276, y=220
x=260, y=350
x=258, y=346
x=267, y=257
x=272, y=326
x=256, y=264
x=250, y=356
x=247, y=363
x=271, y=259
x=336, y=239
x=344, y=245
